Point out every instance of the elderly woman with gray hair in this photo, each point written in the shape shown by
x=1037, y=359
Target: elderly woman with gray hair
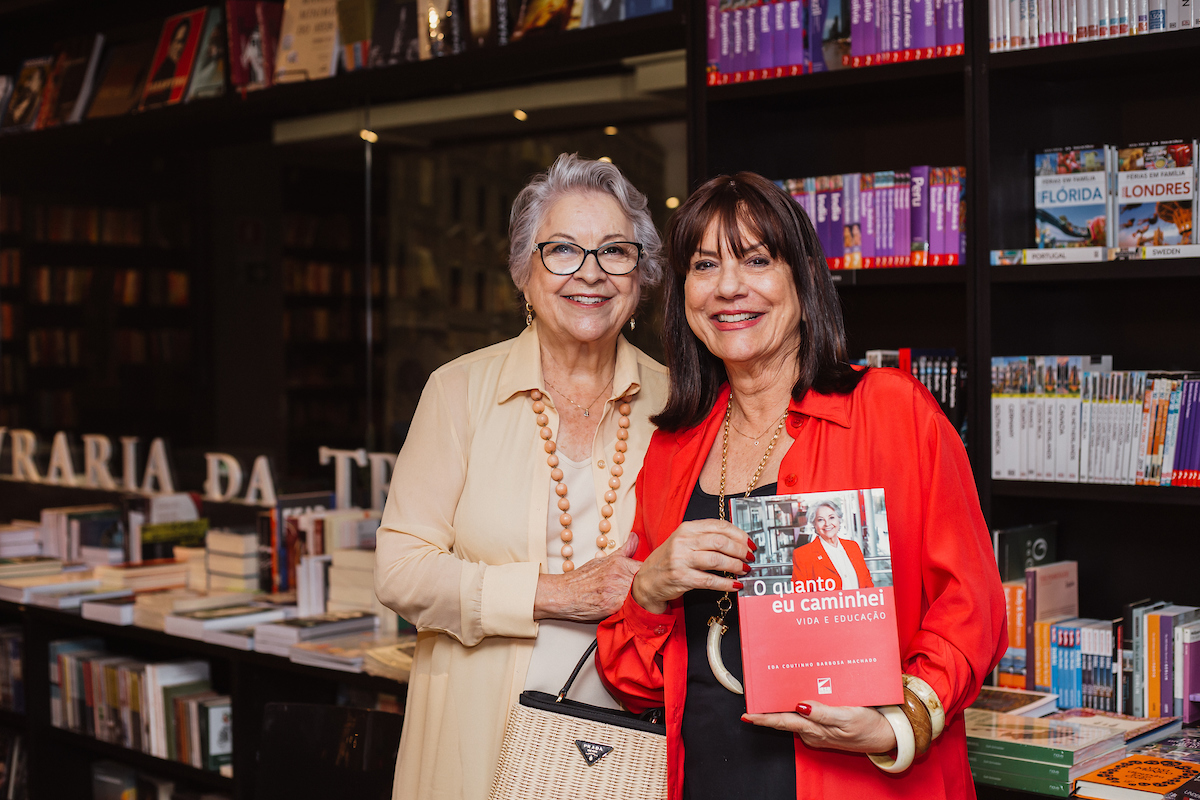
x=505, y=537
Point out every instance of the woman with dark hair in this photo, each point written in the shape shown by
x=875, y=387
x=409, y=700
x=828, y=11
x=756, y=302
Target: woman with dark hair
x=763, y=401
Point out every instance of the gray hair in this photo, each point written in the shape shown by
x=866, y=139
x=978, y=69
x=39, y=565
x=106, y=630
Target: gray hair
x=832, y=505
x=571, y=174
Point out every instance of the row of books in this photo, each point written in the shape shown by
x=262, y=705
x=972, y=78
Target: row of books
x=1073, y=419
x=56, y=347
x=1128, y=197
x=1080, y=753
x=1145, y=663
x=14, y=765
x=59, y=223
x=132, y=287
x=12, y=668
x=894, y=218
x=939, y=370
x=321, y=278
x=12, y=375
x=156, y=346
x=139, y=528
x=1023, y=24
x=326, y=325
x=10, y=267
x=325, y=231
x=249, y=45
x=755, y=39
x=10, y=214
x=62, y=285
x=9, y=321
x=168, y=710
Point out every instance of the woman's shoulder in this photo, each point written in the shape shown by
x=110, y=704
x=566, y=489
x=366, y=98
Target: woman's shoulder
x=885, y=385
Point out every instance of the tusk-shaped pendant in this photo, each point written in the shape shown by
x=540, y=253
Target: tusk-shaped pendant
x=715, y=631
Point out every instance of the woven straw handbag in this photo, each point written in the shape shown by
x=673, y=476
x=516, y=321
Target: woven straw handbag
x=559, y=749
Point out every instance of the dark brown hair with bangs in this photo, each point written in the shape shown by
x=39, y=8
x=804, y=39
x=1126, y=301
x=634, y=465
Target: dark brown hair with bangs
x=749, y=201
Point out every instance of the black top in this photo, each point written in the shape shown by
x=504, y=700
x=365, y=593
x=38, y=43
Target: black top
x=723, y=756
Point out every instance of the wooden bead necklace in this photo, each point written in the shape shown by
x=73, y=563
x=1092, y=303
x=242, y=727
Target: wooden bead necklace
x=560, y=488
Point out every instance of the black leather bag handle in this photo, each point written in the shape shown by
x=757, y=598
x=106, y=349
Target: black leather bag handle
x=575, y=673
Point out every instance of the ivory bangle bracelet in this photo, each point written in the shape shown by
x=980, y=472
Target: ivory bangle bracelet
x=937, y=712
x=906, y=746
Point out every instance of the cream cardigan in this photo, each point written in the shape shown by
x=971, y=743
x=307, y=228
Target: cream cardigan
x=463, y=538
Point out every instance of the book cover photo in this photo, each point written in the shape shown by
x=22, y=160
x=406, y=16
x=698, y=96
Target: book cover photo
x=1070, y=188
x=172, y=64
x=817, y=612
x=1155, y=194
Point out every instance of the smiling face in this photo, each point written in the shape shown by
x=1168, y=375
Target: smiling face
x=827, y=523
x=590, y=305
x=744, y=309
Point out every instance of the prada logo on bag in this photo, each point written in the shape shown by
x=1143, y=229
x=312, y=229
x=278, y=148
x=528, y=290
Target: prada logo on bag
x=591, y=751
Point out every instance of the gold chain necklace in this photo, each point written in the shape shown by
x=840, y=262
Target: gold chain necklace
x=716, y=623
x=586, y=411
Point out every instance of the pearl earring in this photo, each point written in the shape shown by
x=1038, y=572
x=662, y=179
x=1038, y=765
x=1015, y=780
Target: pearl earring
x=632, y=323
x=528, y=313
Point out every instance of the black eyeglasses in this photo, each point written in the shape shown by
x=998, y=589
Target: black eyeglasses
x=566, y=258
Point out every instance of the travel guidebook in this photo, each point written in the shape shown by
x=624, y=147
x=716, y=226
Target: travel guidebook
x=1156, y=190
x=1071, y=197
x=817, y=611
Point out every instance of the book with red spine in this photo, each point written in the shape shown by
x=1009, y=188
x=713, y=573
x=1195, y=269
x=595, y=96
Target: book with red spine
x=810, y=629
x=867, y=219
x=953, y=214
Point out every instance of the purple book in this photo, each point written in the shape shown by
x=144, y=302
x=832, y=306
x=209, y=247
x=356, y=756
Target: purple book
x=925, y=28
x=956, y=208
x=750, y=34
x=937, y=216
x=836, y=251
x=919, y=215
x=779, y=24
x=1191, y=682
x=957, y=38
x=897, y=24
x=883, y=28
x=797, y=16
x=713, y=15
x=822, y=216
x=857, y=40
x=725, y=21
x=766, y=36
x=883, y=216
x=1187, y=434
x=908, y=23
x=870, y=33
x=816, y=28
x=903, y=241
x=737, y=35
x=866, y=216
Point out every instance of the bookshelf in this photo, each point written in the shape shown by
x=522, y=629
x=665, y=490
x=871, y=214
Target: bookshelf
x=59, y=759
x=991, y=112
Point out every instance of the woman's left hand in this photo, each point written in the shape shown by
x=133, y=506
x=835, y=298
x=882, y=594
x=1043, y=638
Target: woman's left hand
x=857, y=730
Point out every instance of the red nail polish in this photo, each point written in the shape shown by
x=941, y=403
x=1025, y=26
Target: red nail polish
x=738, y=585
x=750, y=556
x=753, y=546
x=744, y=718
x=804, y=709
x=745, y=569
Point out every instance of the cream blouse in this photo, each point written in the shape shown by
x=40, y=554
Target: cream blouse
x=463, y=539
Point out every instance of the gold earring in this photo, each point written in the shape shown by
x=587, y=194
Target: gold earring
x=632, y=323
x=528, y=313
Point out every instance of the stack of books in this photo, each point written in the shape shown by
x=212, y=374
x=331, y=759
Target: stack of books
x=278, y=638
x=22, y=590
x=348, y=653
x=152, y=608
x=232, y=561
x=146, y=576
x=19, y=538
x=196, y=624
x=1036, y=754
x=197, y=568
x=352, y=586
x=1138, y=731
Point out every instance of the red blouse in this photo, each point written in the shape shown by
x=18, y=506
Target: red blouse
x=889, y=433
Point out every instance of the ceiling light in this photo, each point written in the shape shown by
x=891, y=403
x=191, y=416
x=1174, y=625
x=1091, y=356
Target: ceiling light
x=611, y=130
x=368, y=136
x=520, y=115
x=672, y=202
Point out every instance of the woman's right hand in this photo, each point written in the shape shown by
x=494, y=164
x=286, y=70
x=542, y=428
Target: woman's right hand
x=687, y=559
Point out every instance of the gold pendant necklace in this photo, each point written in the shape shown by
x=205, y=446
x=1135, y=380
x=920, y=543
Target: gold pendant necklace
x=716, y=624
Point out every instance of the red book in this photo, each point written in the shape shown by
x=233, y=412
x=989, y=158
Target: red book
x=817, y=614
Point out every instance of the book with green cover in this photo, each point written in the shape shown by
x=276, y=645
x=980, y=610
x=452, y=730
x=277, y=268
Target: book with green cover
x=169, y=694
x=1022, y=783
x=1037, y=739
x=1039, y=769
x=216, y=733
